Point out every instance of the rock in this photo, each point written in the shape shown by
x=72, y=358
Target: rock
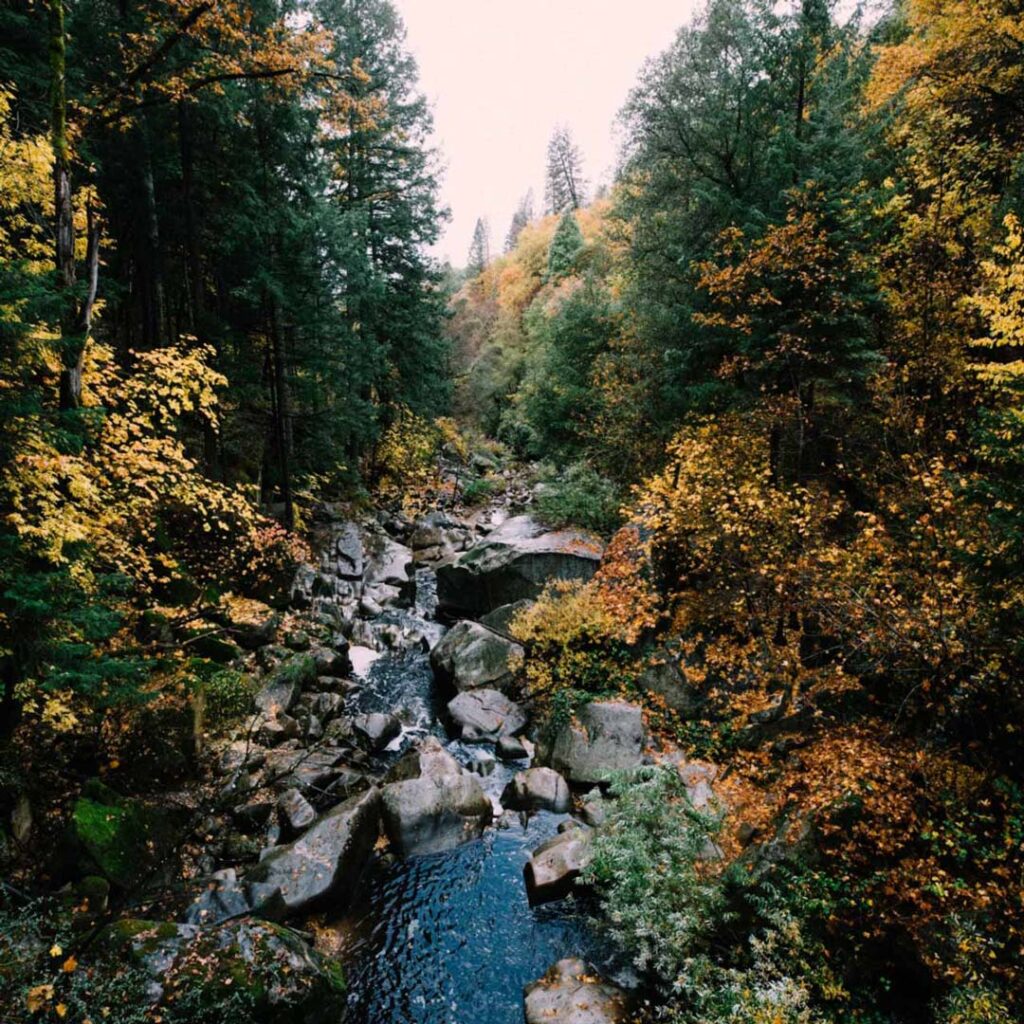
x=251, y=624
x=221, y=899
x=511, y=748
x=471, y=656
x=377, y=730
x=326, y=705
x=593, y=811
x=554, y=866
x=571, y=993
x=333, y=660
x=514, y=563
x=388, y=563
x=483, y=716
x=281, y=690
x=501, y=618
x=326, y=861
x=663, y=678
x=537, y=789
x=210, y=645
x=431, y=804
x=275, y=729
x=297, y=640
x=252, y=815
x=123, y=839
x=267, y=969
x=604, y=737
x=294, y=812
x=369, y=607
x=348, y=550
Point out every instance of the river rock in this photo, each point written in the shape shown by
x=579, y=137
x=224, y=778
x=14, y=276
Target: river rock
x=501, y=618
x=276, y=728
x=333, y=660
x=537, y=789
x=294, y=812
x=471, y=656
x=388, y=562
x=604, y=737
x=347, y=541
x=554, y=866
x=571, y=993
x=431, y=804
x=326, y=861
x=511, y=748
x=376, y=730
x=484, y=716
x=514, y=563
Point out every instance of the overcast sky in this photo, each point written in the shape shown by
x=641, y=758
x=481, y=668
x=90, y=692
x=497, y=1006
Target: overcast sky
x=500, y=75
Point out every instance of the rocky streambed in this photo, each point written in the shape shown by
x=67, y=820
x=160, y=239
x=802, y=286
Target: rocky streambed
x=386, y=795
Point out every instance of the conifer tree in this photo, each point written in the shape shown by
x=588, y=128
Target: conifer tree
x=565, y=187
x=479, y=249
x=522, y=217
x=565, y=246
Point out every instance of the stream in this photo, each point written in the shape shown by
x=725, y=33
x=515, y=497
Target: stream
x=450, y=938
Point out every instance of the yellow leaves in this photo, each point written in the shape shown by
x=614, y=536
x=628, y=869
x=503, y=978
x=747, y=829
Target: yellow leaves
x=55, y=950
x=38, y=997
x=69, y=965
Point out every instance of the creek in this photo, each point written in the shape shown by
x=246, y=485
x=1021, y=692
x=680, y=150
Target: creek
x=450, y=938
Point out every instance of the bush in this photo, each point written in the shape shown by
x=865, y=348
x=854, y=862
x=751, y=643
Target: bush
x=477, y=491
x=228, y=696
x=580, y=497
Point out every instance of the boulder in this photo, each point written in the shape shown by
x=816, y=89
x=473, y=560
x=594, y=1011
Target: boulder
x=571, y=993
x=347, y=542
x=282, y=688
x=326, y=861
x=331, y=661
x=431, y=804
x=251, y=623
x=663, y=678
x=604, y=737
x=276, y=728
x=537, y=789
x=514, y=563
x=501, y=618
x=222, y=898
x=511, y=748
x=484, y=716
x=376, y=730
x=388, y=563
x=294, y=812
x=553, y=868
x=471, y=656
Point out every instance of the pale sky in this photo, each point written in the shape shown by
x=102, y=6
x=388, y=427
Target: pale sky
x=500, y=75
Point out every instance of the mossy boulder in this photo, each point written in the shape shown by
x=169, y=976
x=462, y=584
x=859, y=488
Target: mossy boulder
x=122, y=840
x=242, y=969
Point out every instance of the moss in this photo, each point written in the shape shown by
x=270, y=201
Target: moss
x=122, y=839
x=137, y=936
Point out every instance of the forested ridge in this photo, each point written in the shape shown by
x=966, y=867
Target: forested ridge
x=717, y=468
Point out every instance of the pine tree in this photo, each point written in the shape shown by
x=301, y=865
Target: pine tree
x=565, y=246
x=479, y=250
x=565, y=188
x=522, y=217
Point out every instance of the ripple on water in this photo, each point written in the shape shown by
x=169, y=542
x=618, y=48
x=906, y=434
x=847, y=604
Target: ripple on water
x=451, y=939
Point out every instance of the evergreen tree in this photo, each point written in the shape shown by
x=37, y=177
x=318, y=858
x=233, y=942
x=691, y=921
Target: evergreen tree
x=565, y=246
x=523, y=215
x=565, y=187
x=479, y=250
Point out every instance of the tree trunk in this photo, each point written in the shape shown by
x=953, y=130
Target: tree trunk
x=282, y=413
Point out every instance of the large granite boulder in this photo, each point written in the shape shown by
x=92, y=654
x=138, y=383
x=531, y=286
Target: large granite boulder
x=284, y=685
x=388, y=563
x=537, y=789
x=553, y=868
x=431, y=803
x=347, y=546
x=326, y=861
x=484, y=716
x=604, y=737
x=571, y=993
x=471, y=656
x=514, y=563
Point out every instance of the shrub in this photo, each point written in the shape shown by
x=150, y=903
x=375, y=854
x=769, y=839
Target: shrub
x=228, y=696
x=579, y=496
x=477, y=491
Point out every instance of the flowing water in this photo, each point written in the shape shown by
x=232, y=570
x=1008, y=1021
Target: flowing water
x=450, y=938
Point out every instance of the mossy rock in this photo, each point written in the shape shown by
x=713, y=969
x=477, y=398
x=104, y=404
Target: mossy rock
x=264, y=968
x=121, y=838
x=137, y=937
x=216, y=648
